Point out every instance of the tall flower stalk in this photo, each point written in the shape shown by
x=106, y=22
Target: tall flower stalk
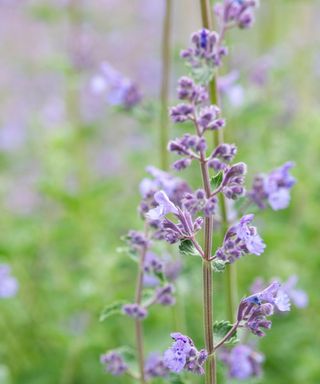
x=165, y=83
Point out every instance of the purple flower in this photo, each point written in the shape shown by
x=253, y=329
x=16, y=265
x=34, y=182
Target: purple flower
x=119, y=89
x=114, y=363
x=8, y=284
x=253, y=310
x=298, y=297
x=135, y=310
x=155, y=367
x=164, y=295
x=168, y=230
x=137, y=239
x=240, y=239
x=172, y=269
x=198, y=202
x=164, y=207
x=183, y=355
x=233, y=180
x=205, y=50
x=273, y=188
x=236, y=13
x=223, y=153
x=174, y=187
x=209, y=118
x=243, y=362
x=189, y=91
x=182, y=113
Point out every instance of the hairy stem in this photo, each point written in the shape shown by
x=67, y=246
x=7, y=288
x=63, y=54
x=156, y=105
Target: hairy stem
x=138, y=322
x=231, y=273
x=165, y=82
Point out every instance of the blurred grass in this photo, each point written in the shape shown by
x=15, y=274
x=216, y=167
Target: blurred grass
x=63, y=251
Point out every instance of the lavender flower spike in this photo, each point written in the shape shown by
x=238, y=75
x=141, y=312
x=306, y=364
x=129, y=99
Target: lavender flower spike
x=241, y=239
x=253, y=310
x=164, y=207
x=183, y=355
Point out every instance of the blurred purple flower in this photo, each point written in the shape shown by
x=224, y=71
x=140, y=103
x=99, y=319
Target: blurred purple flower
x=120, y=90
x=273, y=188
x=243, y=362
x=114, y=363
x=155, y=367
x=8, y=284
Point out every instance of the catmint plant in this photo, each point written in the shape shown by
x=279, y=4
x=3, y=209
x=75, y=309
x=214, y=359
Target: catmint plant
x=176, y=214
x=8, y=284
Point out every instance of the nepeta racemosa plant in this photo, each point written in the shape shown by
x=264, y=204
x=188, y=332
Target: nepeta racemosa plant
x=174, y=213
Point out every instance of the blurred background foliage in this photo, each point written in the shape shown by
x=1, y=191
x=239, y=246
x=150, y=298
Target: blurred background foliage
x=70, y=166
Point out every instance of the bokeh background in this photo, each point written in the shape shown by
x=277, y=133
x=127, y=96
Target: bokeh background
x=70, y=166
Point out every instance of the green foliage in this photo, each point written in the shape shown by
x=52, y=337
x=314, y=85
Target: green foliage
x=111, y=310
x=218, y=265
x=186, y=248
x=220, y=330
x=216, y=180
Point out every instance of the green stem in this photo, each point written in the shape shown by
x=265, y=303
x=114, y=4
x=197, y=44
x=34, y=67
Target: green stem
x=138, y=322
x=231, y=273
x=165, y=83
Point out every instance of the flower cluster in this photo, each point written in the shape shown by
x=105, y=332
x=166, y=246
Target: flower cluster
x=120, y=90
x=183, y=355
x=135, y=310
x=206, y=50
x=222, y=154
x=8, y=284
x=170, y=231
x=240, y=239
x=164, y=295
x=243, y=362
x=253, y=310
x=198, y=202
x=189, y=91
x=114, y=363
x=273, y=188
x=236, y=13
x=297, y=296
x=174, y=187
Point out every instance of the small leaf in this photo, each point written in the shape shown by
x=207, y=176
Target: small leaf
x=132, y=253
x=112, y=309
x=216, y=180
x=147, y=295
x=186, y=248
x=220, y=329
x=127, y=352
x=219, y=265
x=176, y=379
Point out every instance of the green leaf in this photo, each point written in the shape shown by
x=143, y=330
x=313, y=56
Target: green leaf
x=187, y=248
x=147, y=295
x=176, y=379
x=220, y=329
x=219, y=265
x=127, y=352
x=112, y=309
x=216, y=180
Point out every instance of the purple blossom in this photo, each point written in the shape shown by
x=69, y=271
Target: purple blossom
x=155, y=367
x=174, y=187
x=198, y=202
x=183, y=355
x=164, y=207
x=236, y=13
x=164, y=295
x=168, y=230
x=135, y=310
x=137, y=239
x=253, y=310
x=189, y=91
x=172, y=269
x=243, y=362
x=182, y=113
x=119, y=89
x=114, y=363
x=233, y=180
x=240, y=239
x=205, y=50
x=273, y=188
x=8, y=284
x=222, y=154
x=298, y=297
